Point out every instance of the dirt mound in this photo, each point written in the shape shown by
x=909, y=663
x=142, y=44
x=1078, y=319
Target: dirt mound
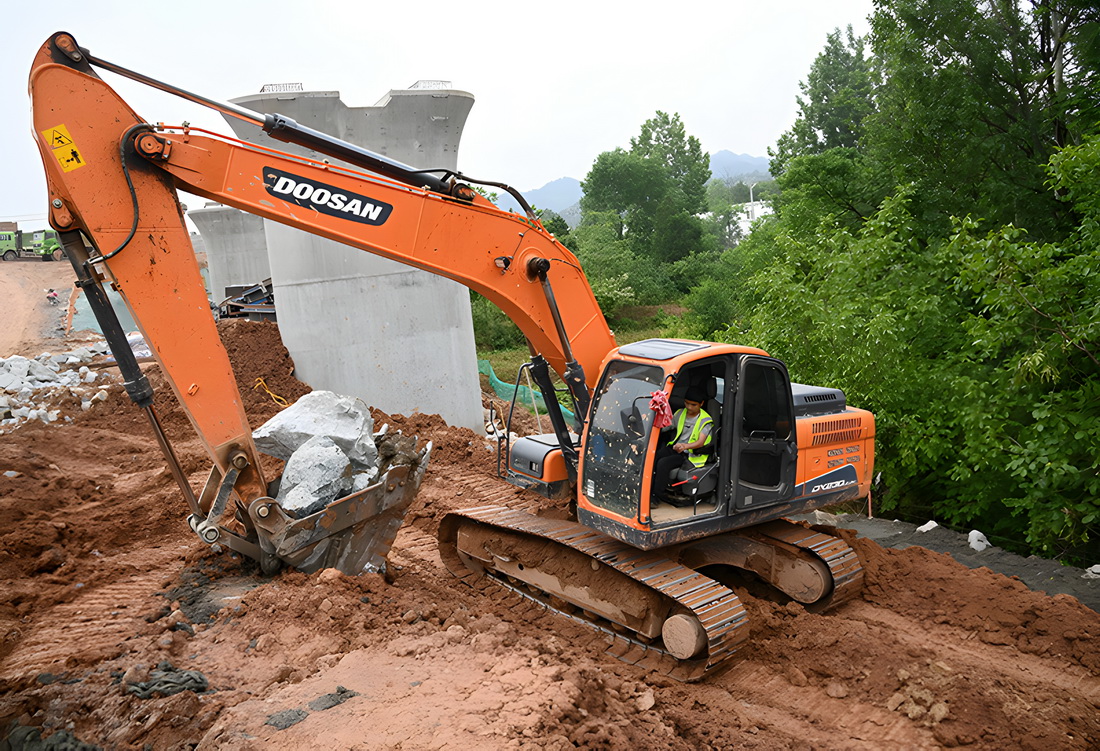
x=998, y=610
x=263, y=368
x=107, y=589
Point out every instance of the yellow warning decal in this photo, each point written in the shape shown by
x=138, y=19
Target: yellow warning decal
x=66, y=152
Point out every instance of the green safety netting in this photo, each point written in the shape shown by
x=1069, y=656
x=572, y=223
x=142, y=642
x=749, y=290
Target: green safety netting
x=505, y=390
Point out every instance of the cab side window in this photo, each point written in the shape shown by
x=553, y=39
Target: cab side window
x=766, y=403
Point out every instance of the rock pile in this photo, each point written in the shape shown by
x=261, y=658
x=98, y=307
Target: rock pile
x=34, y=389
x=328, y=443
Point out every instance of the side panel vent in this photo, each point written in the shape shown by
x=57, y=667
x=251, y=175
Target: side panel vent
x=830, y=426
x=838, y=431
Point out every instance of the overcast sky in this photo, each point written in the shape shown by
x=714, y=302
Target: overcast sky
x=555, y=84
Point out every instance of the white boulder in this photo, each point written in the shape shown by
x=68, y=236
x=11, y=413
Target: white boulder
x=344, y=419
x=317, y=473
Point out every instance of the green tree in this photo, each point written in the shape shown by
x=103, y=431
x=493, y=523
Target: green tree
x=979, y=353
x=724, y=224
x=617, y=274
x=492, y=328
x=653, y=195
x=1036, y=322
x=943, y=269
x=979, y=97
x=629, y=186
x=720, y=305
x=839, y=95
x=821, y=164
x=839, y=187
x=664, y=140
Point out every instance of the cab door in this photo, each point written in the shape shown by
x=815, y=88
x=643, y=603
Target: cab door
x=765, y=447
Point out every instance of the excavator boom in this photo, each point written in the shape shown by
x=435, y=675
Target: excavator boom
x=112, y=190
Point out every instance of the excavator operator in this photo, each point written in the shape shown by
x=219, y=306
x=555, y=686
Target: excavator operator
x=690, y=431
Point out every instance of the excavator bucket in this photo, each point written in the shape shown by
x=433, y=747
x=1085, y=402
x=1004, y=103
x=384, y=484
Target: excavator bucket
x=353, y=534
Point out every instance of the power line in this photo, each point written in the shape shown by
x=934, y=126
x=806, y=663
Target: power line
x=24, y=218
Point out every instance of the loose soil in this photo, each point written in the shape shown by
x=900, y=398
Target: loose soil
x=29, y=320
x=104, y=583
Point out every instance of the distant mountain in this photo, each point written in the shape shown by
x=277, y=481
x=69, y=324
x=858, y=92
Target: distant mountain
x=727, y=165
x=563, y=195
x=557, y=196
x=571, y=215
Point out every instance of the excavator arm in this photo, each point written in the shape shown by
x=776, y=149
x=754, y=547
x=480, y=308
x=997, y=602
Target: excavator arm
x=113, y=178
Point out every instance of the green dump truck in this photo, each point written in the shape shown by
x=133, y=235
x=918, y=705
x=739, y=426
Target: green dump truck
x=41, y=243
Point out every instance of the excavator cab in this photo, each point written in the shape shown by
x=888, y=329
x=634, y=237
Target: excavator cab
x=748, y=467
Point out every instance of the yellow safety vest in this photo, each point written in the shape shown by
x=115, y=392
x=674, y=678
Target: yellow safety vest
x=700, y=422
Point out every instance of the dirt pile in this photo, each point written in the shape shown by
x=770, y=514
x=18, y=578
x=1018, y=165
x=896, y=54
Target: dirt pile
x=998, y=610
x=104, y=584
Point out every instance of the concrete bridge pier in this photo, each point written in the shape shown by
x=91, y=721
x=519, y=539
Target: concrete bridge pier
x=397, y=337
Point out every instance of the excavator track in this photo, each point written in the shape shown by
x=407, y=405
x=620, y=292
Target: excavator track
x=843, y=563
x=682, y=590
x=685, y=593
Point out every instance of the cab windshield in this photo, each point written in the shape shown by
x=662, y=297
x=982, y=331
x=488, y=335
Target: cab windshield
x=614, y=458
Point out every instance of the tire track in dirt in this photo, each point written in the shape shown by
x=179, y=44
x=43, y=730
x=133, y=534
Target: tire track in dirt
x=469, y=488
x=966, y=649
x=412, y=542
x=767, y=698
x=94, y=626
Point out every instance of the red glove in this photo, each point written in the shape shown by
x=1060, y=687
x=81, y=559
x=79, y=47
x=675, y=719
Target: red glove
x=659, y=404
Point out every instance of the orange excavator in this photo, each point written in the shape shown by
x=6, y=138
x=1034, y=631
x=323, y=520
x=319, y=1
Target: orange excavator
x=650, y=561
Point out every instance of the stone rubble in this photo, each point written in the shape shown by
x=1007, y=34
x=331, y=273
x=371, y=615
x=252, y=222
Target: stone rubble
x=329, y=446
x=494, y=427
x=31, y=389
x=344, y=419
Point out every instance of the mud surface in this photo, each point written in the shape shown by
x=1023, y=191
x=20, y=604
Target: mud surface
x=105, y=588
x=29, y=320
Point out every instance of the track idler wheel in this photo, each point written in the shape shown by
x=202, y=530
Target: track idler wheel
x=684, y=636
